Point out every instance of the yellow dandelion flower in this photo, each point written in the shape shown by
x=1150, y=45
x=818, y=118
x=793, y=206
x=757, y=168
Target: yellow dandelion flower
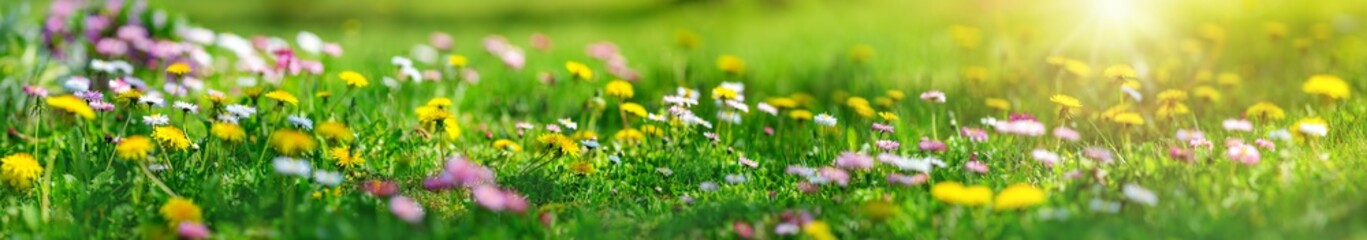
x=800, y=115
x=1119, y=72
x=723, y=93
x=975, y=73
x=451, y=128
x=1229, y=79
x=457, y=60
x=865, y=112
x=353, y=79
x=127, y=97
x=171, y=137
x=652, y=130
x=345, y=158
x=179, y=210
x=634, y=109
x=1207, y=93
x=1065, y=101
x=629, y=135
x=1078, y=68
x=559, y=143
x=579, y=70
x=620, y=89
x=283, y=97
x=1128, y=118
x=888, y=116
x=856, y=102
x=782, y=102
x=507, y=145
x=883, y=102
x=290, y=142
x=335, y=131
x=134, y=148
x=440, y=102
x=818, y=230
x=178, y=68
x=228, y=132
x=1018, y=196
x=1265, y=111
x=1327, y=86
x=72, y=104
x=582, y=167
x=429, y=116
x=253, y=92
x=895, y=94
x=1275, y=30
x=731, y=64
x=1172, y=96
x=998, y=103
x=585, y=135
x=19, y=170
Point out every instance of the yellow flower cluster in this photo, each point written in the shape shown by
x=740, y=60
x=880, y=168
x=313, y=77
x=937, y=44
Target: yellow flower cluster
x=19, y=170
x=283, y=97
x=353, y=79
x=134, y=148
x=579, y=70
x=72, y=104
x=731, y=64
x=559, y=143
x=1016, y=196
x=179, y=210
x=290, y=142
x=1327, y=86
x=335, y=131
x=620, y=89
x=171, y=137
x=227, y=131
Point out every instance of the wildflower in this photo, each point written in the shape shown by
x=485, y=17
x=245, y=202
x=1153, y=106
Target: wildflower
x=818, y=230
x=1045, y=156
x=499, y=200
x=579, y=70
x=731, y=64
x=178, y=210
x=723, y=93
x=283, y=97
x=192, y=230
x=998, y=103
x=1265, y=144
x=934, y=96
x=1139, y=194
x=924, y=165
x=559, y=143
x=171, y=137
x=634, y=109
x=179, y=68
x=186, y=107
x=1313, y=127
x=1241, y=153
x=1265, y=111
x=629, y=135
x=35, y=91
x=290, y=142
x=507, y=145
x=335, y=131
x=406, y=209
x=240, y=111
x=974, y=134
x=1067, y=134
x=1065, y=101
x=965, y=36
x=457, y=60
x=345, y=158
x=882, y=128
x=1327, y=86
x=620, y=89
x=928, y=144
x=291, y=167
x=905, y=180
x=823, y=119
x=1128, y=119
x=1018, y=196
x=73, y=105
x=976, y=166
x=887, y=145
x=353, y=79
x=840, y=177
x=1186, y=135
x=1119, y=72
x=1207, y=93
x=568, y=123
x=327, y=178
x=228, y=132
x=1098, y=154
x=1237, y=125
x=1178, y=153
x=20, y=170
x=956, y=193
x=380, y=188
x=134, y=148
x=1025, y=127
x=853, y=160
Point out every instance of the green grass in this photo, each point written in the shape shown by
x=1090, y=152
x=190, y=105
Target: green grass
x=789, y=47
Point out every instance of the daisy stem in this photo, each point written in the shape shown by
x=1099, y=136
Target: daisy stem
x=156, y=180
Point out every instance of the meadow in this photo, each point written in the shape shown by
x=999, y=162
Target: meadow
x=683, y=119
